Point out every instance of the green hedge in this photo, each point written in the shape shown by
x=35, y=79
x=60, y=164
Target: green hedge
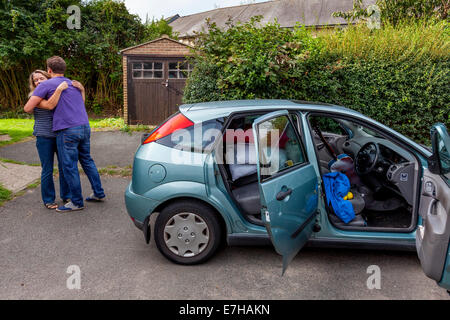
x=397, y=75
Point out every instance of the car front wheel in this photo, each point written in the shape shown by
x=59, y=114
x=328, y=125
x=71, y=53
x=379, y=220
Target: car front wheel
x=187, y=232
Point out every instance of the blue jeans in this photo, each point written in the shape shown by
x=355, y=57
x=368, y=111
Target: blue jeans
x=74, y=145
x=46, y=148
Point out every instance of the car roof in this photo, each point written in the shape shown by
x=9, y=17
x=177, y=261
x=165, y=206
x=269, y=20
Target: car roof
x=198, y=112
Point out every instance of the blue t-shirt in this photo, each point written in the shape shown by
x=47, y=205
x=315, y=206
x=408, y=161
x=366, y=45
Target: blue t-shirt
x=70, y=111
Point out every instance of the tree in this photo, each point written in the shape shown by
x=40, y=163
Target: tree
x=33, y=30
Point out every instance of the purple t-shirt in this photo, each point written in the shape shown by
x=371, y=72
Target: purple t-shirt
x=70, y=111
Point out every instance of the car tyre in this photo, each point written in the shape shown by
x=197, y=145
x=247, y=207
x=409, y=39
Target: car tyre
x=187, y=232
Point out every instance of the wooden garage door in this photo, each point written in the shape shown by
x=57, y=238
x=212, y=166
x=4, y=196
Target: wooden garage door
x=155, y=88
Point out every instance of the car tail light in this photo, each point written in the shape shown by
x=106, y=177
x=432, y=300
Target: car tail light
x=175, y=123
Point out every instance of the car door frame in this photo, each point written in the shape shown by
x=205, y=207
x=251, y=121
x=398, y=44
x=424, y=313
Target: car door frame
x=400, y=143
x=223, y=172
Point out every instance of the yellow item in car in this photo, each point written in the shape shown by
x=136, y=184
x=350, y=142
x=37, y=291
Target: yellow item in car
x=349, y=196
x=289, y=163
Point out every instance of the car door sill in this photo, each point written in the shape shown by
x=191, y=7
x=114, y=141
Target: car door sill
x=245, y=239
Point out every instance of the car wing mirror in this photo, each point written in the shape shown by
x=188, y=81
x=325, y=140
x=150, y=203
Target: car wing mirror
x=439, y=162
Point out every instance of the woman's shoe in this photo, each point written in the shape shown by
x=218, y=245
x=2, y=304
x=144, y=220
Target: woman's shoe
x=51, y=206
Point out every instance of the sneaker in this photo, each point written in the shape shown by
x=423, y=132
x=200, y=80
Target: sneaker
x=94, y=198
x=68, y=207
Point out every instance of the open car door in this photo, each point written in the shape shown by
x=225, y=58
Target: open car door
x=288, y=184
x=433, y=236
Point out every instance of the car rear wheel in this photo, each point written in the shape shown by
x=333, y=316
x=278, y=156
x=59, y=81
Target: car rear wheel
x=187, y=232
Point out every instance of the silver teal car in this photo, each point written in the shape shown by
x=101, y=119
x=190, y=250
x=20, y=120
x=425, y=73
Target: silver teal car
x=255, y=172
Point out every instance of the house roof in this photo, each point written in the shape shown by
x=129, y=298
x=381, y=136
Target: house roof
x=287, y=12
x=164, y=37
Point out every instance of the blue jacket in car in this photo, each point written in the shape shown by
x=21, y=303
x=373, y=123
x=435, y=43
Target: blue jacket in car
x=337, y=187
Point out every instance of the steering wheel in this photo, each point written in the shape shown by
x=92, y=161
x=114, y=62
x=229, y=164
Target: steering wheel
x=367, y=158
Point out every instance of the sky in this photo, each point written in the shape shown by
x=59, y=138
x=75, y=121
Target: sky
x=167, y=8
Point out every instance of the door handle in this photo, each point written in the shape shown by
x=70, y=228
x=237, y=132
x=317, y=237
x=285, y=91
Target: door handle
x=284, y=194
x=432, y=209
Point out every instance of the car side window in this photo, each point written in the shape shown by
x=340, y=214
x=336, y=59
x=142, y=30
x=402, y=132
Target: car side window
x=328, y=125
x=279, y=146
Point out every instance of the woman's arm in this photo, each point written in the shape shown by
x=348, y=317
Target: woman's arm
x=80, y=87
x=51, y=103
x=32, y=103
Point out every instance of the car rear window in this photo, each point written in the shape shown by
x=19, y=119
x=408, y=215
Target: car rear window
x=198, y=138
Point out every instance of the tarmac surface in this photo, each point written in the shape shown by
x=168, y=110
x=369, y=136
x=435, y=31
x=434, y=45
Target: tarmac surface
x=107, y=148
x=37, y=246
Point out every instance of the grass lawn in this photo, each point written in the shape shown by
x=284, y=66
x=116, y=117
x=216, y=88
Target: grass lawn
x=18, y=129
x=5, y=195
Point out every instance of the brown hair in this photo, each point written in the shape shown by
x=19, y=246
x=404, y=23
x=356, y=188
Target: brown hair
x=31, y=79
x=57, y=64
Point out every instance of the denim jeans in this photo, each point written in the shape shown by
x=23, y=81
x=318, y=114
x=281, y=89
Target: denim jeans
x=46, y=148
x=74, y=145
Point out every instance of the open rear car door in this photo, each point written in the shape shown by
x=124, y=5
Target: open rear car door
x=288, y=184
x=433, y=236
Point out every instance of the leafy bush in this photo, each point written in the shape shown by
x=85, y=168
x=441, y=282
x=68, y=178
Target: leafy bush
x=397, y=75
x=247, y=61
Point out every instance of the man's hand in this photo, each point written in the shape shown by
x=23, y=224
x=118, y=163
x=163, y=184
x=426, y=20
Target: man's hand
x=63, y=86
x=32, y=103
x=78, y=85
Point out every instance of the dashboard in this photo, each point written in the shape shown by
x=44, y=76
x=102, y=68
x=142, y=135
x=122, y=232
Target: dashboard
x=391, y=150
x=396, y=166
x=390, y=155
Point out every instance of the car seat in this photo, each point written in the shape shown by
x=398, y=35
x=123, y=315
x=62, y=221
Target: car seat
x=358, y=204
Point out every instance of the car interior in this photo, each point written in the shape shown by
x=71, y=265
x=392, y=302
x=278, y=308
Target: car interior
x=239, y=169
x=383, y=175
x=240, y=166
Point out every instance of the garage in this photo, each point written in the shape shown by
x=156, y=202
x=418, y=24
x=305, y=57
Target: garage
x=154, y=76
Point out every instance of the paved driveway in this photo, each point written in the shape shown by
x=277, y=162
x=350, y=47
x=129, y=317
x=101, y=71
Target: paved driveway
x=37, y=246
x=107, y=148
